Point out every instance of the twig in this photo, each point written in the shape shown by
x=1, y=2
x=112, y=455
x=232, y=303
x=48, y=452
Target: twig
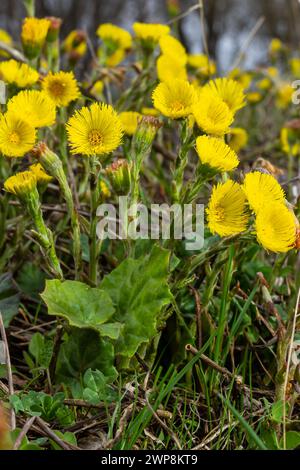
x=9, y=371
x=45, y=428
x=288, y=365
x=14, y=53
x=184, y=14
x=210, y=362
x=23, y=432
x=249, y=39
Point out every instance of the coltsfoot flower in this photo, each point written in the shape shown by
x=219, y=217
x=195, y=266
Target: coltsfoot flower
x=227, y=211
x=238, y=138
x=34, y=106
x=149, y=32
x=203, y=65
x=129, y=120
x=172, y=48
x=15, y=73
x=261, y=189
x=276, y=227
x=33, y=35
x=94, y=130
x=230, y=91
x=21, y=184
x=119, y=175
x=75, y=44
x=114, y=36
x=168, y=67
x=174, y=98
x=211, y=113
x=61, y=87
x=7, y=39
x=16, y=136
x=40, y=174
x=215, y=153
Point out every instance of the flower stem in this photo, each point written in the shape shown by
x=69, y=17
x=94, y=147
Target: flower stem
x=94, y=252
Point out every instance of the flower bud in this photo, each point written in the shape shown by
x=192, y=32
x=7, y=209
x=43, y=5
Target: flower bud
x=145, y=134
x=54, y=28
x=33, y=36
x=119, y=175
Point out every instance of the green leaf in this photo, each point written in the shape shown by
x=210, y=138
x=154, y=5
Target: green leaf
x=9, y=298
x=31, y=279
x=139, y=290
x=97, y=388
x=81, y=305
x=277, y=411
x=66, y=437
x=292, y=440
x=111, y=330
x=82, y=350
x=41, y=349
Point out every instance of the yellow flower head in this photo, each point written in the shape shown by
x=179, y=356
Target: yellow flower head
x=34, y=106
x=97, y=88
x=275, y=46
x=229, y=91
x=202, y=63
x=129, y=120
x=150, y=32
x=75, y=44
x=284, y=95
x=276, y=227
x=211, y=113
x=34, y=31
x=238, y=138
x=227, y=213
x=21, y=184
x=15, y=73
x=16, y=136
x=61, y=87
x=261, y=188
x=264, y=84
x=173, y=48
x=215, y=153
x=7, y=39
x=295, y=66
x=168, y=67
x=114, y=59
x=149, y=111
x=40, y=174
x=244, y=78
x=290, y=141
x=174, y=98
x=114, y=36
x=254, y=97
x=96, y=130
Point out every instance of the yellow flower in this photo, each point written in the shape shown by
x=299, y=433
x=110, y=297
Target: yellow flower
x=33, y=35
x=114, y=59
x=13, y=72
x=272, y=71
x=115, y=36
x=230, y=91
x=7, y=39
x=40, y=174
x=173, y=48
x=264, y=84
x=276, y=227
x=97, y=88
x=75, y=44
x=21, y=184
x=238, y=138
x=174, y=98
x=275, y=46
x=34, y=106
x=16, y=136
x=211, y=113
x=129, y=120
x=215, y=153
x=168, y=67
x=295, y=66
x=227, y=213
x=254, y=97
x=96, y=130
x=284, y=95
x=104, y=190
x=149, y=111
x=290, y=142
x=261, y=188
x=150, y=32
x=61, y=87
x=203, y=65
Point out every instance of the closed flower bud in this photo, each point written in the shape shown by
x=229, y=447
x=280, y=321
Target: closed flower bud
x=145, y=134
x=54, y=28
x=119, y=175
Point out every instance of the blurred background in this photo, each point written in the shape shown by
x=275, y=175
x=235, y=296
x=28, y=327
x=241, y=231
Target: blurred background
x=228, y=22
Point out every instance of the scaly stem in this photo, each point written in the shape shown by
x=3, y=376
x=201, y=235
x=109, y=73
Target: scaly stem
x=94, y=188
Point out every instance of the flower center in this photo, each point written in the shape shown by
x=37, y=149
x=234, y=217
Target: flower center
x=95, y=138
x=177, y=106
x=57, y=88
x=14, y=138
x=220, y=214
